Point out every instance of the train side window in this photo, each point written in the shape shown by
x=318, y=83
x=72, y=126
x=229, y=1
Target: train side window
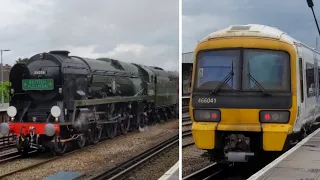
x=301, y=80
x=310, y=80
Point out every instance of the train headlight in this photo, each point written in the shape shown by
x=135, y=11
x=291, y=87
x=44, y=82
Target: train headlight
x=274, y=116
x=49, y=129
x=12, y=111
x=207, y=115
x=4, y=129
x=55, y=111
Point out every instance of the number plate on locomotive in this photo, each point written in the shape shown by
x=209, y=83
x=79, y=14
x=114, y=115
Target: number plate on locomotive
x=207, y=100
x=37, y=84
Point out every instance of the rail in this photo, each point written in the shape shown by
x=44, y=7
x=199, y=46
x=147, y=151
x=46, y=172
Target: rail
x=213, y=171
x=7, y=142
x=121, y=170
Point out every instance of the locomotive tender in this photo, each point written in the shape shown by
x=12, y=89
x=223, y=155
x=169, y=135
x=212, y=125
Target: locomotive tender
x=57, y=99
x=255, y=90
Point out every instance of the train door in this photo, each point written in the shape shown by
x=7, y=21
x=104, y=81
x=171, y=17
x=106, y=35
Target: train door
x=302, y=87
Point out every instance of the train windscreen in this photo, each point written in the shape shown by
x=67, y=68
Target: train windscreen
x=233, y=68
x=270, y=68
x=214, y=66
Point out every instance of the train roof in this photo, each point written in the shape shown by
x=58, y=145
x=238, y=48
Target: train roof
x=255, y=30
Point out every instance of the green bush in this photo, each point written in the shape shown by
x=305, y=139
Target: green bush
x=6, y=87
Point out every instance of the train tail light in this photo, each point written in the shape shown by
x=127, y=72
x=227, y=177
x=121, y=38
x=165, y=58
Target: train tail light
x=207, y=115
x=274, y=116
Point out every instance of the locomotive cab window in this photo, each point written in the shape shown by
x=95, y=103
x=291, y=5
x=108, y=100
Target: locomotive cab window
x=310, y=80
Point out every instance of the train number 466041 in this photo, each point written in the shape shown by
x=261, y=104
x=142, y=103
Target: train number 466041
x=207, y=100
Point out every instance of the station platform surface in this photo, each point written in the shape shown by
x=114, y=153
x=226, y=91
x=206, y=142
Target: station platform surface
x=172, y=173
x=300, y=162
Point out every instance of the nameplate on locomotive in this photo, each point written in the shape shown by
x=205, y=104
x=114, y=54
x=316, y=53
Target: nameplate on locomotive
x=37, y=84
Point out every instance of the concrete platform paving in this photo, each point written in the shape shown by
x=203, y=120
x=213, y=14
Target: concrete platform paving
x=301, y=162
x=172, y=173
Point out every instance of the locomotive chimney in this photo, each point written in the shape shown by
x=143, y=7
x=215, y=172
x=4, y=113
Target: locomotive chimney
x=60, y=52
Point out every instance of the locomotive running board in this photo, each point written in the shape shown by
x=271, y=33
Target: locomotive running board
x=238, y=156
x=108, y=100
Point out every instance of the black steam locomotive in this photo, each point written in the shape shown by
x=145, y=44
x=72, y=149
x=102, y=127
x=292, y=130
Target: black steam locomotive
x=57, y=99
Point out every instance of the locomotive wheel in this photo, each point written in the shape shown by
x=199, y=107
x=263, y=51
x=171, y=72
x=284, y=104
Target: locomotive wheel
x=81, y=142
x=165, y=116
x=111, y=130
x=95, y=134
x=143, y=120
x=58, y=147
x=169, y=113
x=125, y=125
x=158, y=118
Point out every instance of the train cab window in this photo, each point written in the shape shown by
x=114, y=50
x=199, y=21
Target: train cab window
x=214, y=66
x=301, y=79
x=310, y=80
x=269, y=67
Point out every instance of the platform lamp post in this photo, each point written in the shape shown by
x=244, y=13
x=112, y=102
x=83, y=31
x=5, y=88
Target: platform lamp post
x=310, y=4
x=2, y=97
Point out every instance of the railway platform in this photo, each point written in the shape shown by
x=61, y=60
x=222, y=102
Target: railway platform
x=172, y=173
x=300, y=162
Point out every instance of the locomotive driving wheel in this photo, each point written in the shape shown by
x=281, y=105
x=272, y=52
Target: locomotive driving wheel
x=81, y=142
x=111, y=130
x=124, y=125
x=59, y=147
x=143, y=120
x=94, y=133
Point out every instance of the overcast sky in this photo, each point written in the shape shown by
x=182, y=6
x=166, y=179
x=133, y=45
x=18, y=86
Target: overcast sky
x=140, y=31
x=202, y=17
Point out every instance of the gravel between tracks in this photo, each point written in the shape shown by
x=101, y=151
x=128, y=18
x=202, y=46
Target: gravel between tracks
x=99, y=157
x=156, y=168
x=193, y=159
x=187, y=140
x=185, y=128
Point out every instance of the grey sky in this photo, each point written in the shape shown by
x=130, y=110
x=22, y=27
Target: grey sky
x=202, y=17
x=140, y=31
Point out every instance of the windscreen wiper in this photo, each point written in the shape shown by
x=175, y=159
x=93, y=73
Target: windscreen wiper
x=225, y=80
x=259, y=85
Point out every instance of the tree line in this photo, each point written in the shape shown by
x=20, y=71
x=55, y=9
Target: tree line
x=22, y=61
x=6, y=85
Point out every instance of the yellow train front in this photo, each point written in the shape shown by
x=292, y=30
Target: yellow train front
x=244, y=93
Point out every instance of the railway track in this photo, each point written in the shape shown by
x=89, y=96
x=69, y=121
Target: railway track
x=213, y=171
x=123, y=169
x=46, y=158
x=9, y=156
x=6, y=142
x=186, y=121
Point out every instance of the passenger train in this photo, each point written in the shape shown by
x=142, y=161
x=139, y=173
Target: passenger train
x=255, y=90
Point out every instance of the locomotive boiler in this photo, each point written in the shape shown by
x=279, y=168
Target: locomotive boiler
x=57, y=99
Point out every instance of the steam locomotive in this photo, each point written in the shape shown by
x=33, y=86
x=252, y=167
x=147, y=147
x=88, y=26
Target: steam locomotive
x=57, y=100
